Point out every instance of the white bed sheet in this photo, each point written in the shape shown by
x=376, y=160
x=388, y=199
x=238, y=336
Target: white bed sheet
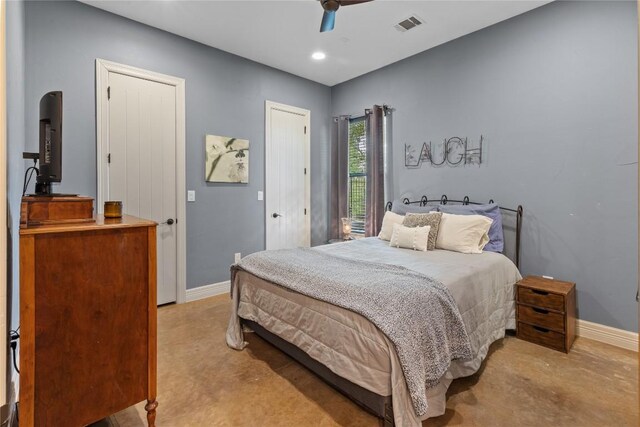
x=352, y=347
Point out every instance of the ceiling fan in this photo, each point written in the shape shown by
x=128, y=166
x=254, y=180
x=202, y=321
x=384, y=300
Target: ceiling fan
x=330, y=7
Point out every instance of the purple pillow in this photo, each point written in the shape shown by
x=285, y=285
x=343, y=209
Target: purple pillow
x=402, y=209
x=496, y=236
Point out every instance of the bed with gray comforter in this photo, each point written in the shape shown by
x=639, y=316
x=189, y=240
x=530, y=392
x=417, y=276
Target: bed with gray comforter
x=394, y=321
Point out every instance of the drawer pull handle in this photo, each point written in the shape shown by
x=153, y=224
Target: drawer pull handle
x=535, y=291
x=539, y=329
x=540, y=310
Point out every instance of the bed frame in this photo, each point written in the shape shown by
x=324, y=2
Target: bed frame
x=380, y=406
x=443, y=200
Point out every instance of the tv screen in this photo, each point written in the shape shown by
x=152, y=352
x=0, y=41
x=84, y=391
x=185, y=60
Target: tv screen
x=50, y=138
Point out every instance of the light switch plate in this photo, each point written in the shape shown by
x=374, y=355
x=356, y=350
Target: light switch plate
x=260, y=195
x=191, y=196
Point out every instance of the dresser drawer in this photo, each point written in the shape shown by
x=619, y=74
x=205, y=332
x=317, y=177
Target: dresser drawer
x=540, y=298
x=542, y=336
x=541, y=317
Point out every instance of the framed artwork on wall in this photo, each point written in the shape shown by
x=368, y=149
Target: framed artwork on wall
x=226, y=159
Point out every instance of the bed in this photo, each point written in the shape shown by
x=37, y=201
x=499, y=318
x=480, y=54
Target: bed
x=350, y=352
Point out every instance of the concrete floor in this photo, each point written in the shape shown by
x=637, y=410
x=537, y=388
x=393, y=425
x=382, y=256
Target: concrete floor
x=201, y=382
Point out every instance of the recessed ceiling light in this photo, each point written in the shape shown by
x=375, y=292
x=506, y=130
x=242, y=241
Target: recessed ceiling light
x=318, y=56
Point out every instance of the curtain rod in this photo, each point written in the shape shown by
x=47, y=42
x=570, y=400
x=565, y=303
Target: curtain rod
x=385, y=107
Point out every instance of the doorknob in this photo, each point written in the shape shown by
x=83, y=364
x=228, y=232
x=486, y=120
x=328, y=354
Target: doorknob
x=276, y=215
x=170, y=221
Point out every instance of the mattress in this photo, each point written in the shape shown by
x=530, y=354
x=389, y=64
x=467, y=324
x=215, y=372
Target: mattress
x=352, y=347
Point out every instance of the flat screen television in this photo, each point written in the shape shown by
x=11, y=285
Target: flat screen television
x=50, y=148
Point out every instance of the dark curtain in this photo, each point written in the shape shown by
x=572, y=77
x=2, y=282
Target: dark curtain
x=388, y=153
x=339, y=174
x=374, y=119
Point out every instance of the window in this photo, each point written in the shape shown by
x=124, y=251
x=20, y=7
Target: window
x=357, y=184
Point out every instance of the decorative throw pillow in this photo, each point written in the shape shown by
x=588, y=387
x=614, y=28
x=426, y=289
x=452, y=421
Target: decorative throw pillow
x=415, y=238
x=401, y=209
x=423, y=219
x=491, y=210
x=463, y=233
x=389, y=219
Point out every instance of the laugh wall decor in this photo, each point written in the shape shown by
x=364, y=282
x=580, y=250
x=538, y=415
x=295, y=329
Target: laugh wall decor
x=454, y=151
x=226, y=159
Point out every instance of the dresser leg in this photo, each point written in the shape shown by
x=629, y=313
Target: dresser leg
x=150, y=407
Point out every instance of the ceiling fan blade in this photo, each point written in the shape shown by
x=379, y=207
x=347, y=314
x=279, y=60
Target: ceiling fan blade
x=352, y=2
x=328, y=20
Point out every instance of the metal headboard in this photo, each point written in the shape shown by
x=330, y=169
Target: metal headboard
x=424, y=201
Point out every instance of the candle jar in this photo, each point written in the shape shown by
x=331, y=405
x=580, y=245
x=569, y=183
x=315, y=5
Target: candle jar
x=113, y=209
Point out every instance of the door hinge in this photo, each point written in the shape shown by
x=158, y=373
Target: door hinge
x=305, y=130
x=108, y=92
x=109, y=158
x=305, y=171
x=305, y=211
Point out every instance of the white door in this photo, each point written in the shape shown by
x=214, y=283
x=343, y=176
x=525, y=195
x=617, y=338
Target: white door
x=287, y=176
x=142, y=163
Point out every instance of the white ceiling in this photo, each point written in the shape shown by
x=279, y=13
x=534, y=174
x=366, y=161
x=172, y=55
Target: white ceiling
x=284, y=34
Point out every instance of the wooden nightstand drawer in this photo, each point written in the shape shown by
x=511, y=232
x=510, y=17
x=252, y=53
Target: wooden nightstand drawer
x=540, y=298
x=546, y=312
x=542, y=336
x=541, y=317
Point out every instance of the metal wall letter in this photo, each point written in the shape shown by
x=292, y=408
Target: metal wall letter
x=454, y=151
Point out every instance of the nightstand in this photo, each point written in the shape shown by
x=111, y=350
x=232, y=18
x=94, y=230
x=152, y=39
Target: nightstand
x=546, y=312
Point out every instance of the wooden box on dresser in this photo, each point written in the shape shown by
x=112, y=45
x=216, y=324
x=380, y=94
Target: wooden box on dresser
x=87, y=320
x=546, y=312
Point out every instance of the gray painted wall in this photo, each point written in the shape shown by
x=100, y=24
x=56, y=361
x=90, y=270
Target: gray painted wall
x=15, y=51
x=225, y=95
x=554, y=92
x=15, y=46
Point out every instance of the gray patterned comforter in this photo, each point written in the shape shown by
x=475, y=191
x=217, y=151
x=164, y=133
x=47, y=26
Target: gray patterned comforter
x=417, y=313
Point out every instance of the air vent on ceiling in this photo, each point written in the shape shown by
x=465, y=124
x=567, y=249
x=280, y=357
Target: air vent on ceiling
x=409, y=23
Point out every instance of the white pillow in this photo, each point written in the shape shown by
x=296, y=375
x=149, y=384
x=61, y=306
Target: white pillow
x=416, y=238
x=463, y=233
x=389, y=219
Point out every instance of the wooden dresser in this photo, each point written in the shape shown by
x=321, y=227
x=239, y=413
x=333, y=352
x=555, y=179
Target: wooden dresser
x=87, y=320
x=546, y=312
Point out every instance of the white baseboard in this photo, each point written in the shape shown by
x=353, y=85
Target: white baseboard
x=9, y=411
x=207, y=291
x=607, y=335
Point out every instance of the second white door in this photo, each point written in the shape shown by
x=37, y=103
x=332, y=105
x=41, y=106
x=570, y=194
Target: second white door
x=287, y=176
x=142, y=163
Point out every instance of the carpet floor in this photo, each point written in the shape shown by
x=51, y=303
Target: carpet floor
x=201, y=382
